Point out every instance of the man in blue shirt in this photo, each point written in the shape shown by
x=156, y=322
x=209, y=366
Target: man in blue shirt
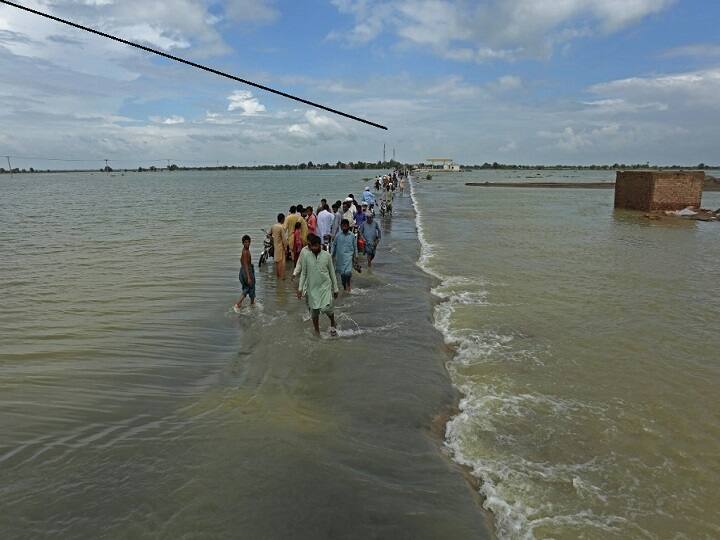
x=368, y=197
x=344, y=250
x=361, y=215
x=370, y=232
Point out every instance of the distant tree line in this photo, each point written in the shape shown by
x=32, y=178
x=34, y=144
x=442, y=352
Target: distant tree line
x=614, y=166
x=294, y=166
x=392, y=164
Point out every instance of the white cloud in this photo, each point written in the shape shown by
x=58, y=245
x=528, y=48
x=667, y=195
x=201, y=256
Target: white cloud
x=573, y=139
x=370, y=18
x=301, y=131
x=221, y=120
x=486, y=30
x=679, y=90
x=169, y=121
x=621, y=106
x=323, y=122
x=317, y=126
x=172, y=25
x=509, y=82
x=635, y=119
x=453, y=87
x=244, y=101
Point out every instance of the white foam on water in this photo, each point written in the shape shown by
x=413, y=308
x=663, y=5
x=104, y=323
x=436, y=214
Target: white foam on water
x=358, y=291
x=513, y=485
x=474, y=346
x=426, y=248
x=476, y=298
x=517, y=519
x=357, y=330
x=255, y=314
x=247, y=309
x=489, y=403
x=463, y=431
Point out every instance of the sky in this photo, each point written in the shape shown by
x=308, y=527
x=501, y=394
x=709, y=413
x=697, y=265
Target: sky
x=512, y=81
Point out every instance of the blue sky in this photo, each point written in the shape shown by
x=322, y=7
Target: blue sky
x=514, y=81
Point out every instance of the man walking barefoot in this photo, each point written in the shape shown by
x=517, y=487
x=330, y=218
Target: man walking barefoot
x=318, y=283
x=247, y=274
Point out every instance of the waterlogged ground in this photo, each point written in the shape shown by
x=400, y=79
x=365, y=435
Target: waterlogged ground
x=135, y=404
x=586, y=346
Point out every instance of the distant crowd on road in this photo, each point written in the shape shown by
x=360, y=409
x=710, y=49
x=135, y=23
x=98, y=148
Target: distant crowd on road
x=322, y=242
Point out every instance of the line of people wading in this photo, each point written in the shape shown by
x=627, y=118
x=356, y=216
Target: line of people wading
x=324, y=243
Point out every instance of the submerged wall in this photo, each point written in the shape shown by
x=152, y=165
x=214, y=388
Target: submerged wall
x=658, y=190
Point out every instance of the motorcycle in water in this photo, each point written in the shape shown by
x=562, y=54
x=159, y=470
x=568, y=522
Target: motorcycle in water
x=268, y=248
x=385, y=208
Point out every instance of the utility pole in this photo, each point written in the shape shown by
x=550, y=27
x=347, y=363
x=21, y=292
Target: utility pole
x=383, y=152
x=393, y=153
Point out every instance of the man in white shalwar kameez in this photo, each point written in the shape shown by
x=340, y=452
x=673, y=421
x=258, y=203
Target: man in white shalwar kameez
x=318, y=282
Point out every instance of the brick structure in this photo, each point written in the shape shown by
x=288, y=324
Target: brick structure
x=658, y=190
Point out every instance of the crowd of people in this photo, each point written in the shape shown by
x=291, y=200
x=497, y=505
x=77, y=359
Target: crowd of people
x=322, y=242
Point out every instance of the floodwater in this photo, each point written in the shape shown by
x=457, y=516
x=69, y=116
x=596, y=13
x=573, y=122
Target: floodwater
x=134, y=403
x=587, y=349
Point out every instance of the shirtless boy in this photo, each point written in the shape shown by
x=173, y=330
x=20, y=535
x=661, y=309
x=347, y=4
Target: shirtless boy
x=247, y=274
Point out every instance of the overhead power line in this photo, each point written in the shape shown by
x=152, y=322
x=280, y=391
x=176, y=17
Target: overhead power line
x=190, y=63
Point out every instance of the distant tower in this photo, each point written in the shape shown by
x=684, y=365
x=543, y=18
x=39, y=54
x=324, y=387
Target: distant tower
x=383, y=152
x=393, y=153
x=9, y=165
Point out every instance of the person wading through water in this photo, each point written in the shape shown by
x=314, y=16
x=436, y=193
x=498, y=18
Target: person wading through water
x=344, y=250
x=318, y=282
x=246, y=275
x=280, y=245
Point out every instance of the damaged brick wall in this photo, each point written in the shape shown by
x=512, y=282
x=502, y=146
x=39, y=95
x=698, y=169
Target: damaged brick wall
x=658, y=190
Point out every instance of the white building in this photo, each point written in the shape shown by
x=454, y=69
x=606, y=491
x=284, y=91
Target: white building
x=440, y=165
